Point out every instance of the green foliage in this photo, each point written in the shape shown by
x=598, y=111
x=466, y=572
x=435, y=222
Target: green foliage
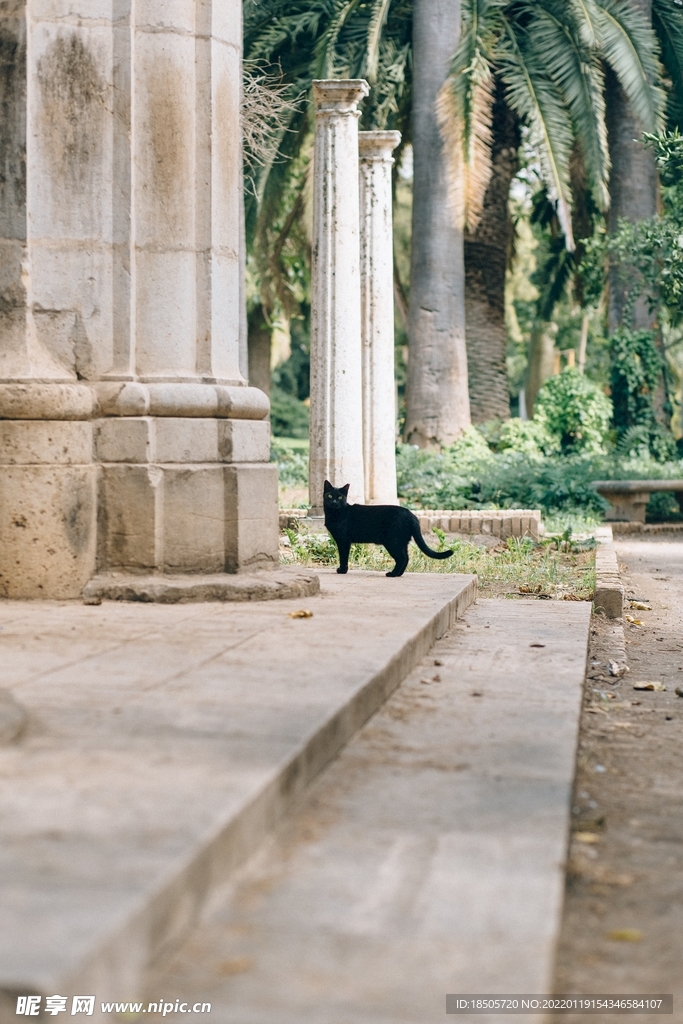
x=517, y=435
x=636, y=373
x=288, y=416
x=292, y=463
x=549, y=54
x=648, y=253
x=575, y=411
x=470, y=475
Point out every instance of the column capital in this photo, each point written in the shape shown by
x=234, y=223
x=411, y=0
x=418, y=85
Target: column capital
x=339, y=94
x=377, y=145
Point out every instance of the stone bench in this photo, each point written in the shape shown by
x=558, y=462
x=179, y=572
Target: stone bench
x=628, y=498
x=509, y=522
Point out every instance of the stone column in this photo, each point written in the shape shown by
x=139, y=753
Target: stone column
x=377, y=316
x=336, y=378
x=133, y=439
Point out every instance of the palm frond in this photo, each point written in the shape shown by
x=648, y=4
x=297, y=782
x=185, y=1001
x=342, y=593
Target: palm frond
x=533, y=94
x=465, y=110
x=557, y=35
x=378, y=20
x=324, y=53
x=629, y=45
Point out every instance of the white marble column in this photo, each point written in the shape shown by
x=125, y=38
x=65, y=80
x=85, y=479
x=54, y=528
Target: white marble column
x=336, y=369
x=377, y=316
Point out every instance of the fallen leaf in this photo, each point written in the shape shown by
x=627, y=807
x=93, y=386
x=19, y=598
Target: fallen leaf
x=640, y=606
x=634, y=622
x=572, y=597
x=644, y=684
x=586, y=837
x=625, y=935
x=302, y=613
x=616, y=670
x=536, y=645
x=476, y=693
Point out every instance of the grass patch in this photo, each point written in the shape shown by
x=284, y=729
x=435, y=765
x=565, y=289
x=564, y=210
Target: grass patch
x=559, y=567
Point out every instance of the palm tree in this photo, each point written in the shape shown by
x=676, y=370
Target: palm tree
x=437, y=405
x=531, y=63
x=538, y=62
x=633, y=180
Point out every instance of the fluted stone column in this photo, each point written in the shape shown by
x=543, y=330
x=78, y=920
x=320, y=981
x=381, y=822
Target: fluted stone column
x=336, y=451
x=377, y=315
x=129, y=437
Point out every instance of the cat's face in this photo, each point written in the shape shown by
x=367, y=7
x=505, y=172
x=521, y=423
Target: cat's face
x=335, y=498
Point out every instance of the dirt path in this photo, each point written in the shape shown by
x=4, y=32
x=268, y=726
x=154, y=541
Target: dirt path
x=623, y=917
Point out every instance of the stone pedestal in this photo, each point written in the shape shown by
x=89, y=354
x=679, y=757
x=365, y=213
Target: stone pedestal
x=336, y=432
x=377, y=316
x=134, y=438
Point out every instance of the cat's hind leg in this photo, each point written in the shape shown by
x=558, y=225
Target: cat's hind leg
x=344, y=547
x=401, y=557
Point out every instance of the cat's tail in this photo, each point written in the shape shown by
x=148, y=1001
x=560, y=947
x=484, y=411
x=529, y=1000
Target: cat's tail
x=420, y=541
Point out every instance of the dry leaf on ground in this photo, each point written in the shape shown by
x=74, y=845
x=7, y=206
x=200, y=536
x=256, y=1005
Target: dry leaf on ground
x=625, y=935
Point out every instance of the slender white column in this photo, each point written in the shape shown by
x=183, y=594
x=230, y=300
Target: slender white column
x=336, y=375
x=377, y=316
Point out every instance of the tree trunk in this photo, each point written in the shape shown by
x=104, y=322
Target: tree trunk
x=486, y=260
x=259, y=351
x=437, y=397
x=632, y=186
x=541, y=361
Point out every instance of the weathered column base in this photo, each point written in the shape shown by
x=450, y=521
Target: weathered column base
x=144, y=494
x=48, y=508
x=186, y=495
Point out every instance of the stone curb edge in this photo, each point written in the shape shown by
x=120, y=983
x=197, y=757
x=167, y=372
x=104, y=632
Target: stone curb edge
x=167, y=915
x=609, y=590
x=268, y=585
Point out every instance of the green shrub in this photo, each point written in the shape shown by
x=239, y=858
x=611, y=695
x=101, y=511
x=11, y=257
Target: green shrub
x=575, y=411
x=517, y=435
x=288, y=416
x=292, y=464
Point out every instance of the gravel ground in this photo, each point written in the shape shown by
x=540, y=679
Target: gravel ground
x=623, y=918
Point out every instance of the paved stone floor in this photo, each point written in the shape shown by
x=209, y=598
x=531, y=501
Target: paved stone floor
x=427, y=859
x=162, y=744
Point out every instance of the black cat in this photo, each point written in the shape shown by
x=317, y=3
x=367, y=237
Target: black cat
x=389, y=525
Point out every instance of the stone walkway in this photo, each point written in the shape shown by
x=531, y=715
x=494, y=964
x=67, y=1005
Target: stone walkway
x=429, y=858
x=163, y=742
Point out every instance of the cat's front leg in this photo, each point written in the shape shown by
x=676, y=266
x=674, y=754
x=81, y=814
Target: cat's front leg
x=344, y=547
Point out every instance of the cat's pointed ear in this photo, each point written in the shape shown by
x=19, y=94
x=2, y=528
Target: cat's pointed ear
x=345, y=489
x=327, y=486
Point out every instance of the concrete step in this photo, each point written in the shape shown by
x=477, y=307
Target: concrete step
x=163, y=743
x=427, y=859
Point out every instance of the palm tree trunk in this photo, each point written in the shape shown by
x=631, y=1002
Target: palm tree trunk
x=541, y=361
x=438, y=407
x=632, y=186
x=486, y=259
x=259, y=341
